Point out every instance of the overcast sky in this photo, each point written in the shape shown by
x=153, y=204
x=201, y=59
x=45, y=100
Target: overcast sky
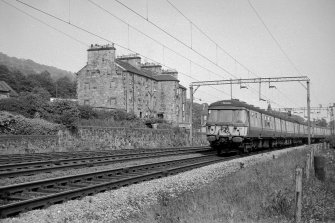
x=304, y=29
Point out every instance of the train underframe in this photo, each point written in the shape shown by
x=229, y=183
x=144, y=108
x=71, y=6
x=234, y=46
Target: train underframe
x=245, y=145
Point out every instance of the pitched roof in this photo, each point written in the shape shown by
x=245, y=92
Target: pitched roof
x=165, y=77
x=145, y=72
x=4, y=87
x=132, y=69
x=81, y=69
x=181, y=86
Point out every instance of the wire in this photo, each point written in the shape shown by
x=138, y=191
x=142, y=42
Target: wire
x=175, y=38
x=100, y=37
x=208, y=37
x=213, y=41
x=146, y=35
x=275, y=40
x=192, y=49
x=40, y=21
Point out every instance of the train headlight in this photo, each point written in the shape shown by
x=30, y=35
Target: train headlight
x=211, y=129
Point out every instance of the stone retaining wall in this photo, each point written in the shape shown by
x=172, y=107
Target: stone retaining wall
x=98, y=138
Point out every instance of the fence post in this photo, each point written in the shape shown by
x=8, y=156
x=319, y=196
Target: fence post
x=298, y=194
x=308, y=165
x=312, y=160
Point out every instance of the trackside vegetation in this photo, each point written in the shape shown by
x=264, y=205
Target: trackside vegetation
x=261, y=190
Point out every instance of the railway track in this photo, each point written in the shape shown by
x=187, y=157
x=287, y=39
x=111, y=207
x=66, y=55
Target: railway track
x=35, y=157
x=94, y=159
x=40, y=194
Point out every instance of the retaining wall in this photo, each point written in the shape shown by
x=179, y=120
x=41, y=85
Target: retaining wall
x=98, y=138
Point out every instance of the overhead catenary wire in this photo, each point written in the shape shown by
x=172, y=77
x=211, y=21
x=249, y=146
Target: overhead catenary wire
x=217, y=46
x=46, y=24
x=100, y=37
x=213, y=41
x=178, y=40
x=91, y=33
x=153, y=39
x=276, y=41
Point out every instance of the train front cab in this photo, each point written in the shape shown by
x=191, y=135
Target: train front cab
x=226, y=128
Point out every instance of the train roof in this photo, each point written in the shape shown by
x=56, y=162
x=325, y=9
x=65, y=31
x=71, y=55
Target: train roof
x=242, y=104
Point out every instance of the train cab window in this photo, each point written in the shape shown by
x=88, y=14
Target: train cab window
x=231, y=116
x=240, y=116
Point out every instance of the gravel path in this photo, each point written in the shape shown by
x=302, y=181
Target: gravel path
x=118, y=205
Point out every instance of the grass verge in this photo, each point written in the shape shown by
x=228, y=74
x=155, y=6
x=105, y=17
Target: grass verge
x=260, y=190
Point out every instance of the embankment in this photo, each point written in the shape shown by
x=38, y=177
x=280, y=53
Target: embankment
x=257, y=188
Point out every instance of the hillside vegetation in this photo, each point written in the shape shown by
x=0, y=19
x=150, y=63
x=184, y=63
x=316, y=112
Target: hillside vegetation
x=30, y=67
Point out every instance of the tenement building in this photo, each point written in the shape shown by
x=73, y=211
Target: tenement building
x=107, y=82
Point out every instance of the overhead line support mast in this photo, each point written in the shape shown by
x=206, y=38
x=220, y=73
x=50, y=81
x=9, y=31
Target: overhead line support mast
x=250, y=81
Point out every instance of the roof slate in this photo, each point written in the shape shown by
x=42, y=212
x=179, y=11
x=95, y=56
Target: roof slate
x=132, y=69
x=165, y=77
x=145, y=73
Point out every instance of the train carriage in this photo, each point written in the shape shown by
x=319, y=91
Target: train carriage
x=236, y=125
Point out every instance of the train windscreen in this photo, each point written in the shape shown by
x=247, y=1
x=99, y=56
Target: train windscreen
x=231, y=116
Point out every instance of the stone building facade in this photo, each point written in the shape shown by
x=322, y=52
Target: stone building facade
x=107, y=82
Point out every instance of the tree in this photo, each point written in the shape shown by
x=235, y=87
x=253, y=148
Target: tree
x=66, y=113
x=34, y=104
x=65, y=88
x=43, y=80
x=44, y=94
x=320, y=122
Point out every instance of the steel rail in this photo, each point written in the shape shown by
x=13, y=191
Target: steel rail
x=22, y=169
x=78, y=186
x=19, y=158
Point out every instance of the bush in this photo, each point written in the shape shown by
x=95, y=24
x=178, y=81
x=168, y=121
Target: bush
x=28, y=105
x=65, y=113
x=331, y=141
x=34, y=104
x=19, y=125
x=87, y=112
x=13, y=105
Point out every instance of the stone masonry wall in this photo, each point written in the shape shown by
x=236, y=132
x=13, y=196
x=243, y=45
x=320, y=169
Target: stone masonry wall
x=99, y=85
x=167, y=99
x=12, y=144
x=97, y=138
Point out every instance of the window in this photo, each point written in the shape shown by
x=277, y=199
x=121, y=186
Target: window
x=86, y=86
x=234, y=116
x=112, y=102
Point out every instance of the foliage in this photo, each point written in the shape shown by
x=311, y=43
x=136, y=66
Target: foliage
x=34, y=104
x=320, y=122
x=63, y=87
x=13, y=105
x=87, y=112
x=65, y=113
x=19, y=125
x=196, y=117
x=331, y=140
x=153, y=120
x=28, y=67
